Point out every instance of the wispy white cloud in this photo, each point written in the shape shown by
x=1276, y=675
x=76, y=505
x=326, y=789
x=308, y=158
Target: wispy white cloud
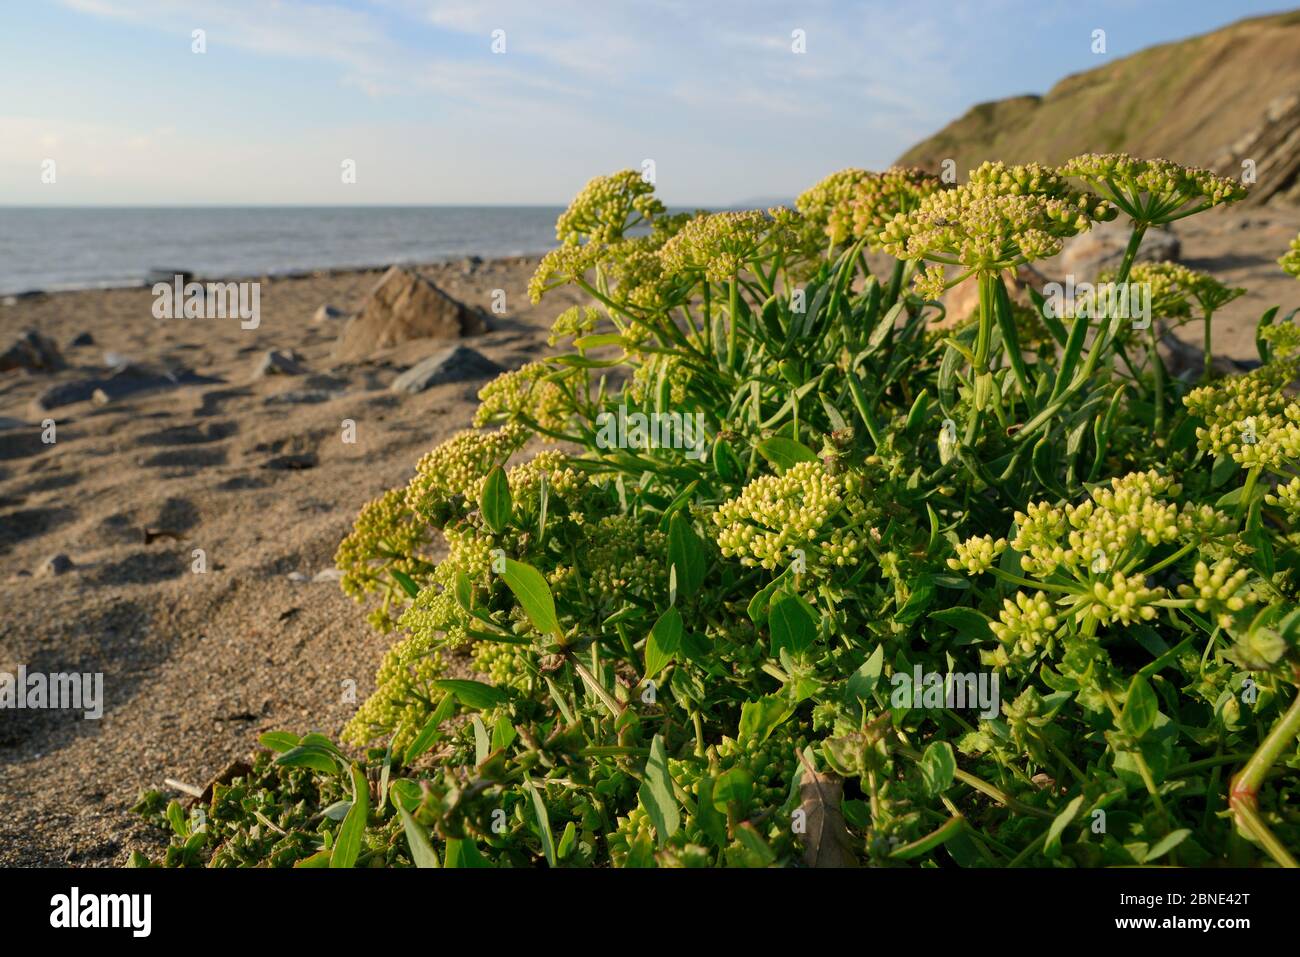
x=713, y=91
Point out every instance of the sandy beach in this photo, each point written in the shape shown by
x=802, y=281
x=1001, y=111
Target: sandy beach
x=196, y=665
x=254, y=472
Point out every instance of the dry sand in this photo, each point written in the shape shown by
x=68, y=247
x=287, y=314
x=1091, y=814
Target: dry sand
x=196, y=665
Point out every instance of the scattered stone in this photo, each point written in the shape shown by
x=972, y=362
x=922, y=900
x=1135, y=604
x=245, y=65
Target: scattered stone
x=81, y=339
x=470, y=264
x=33, y=351
x=100, y=397
x=125, y=380
x=29, y=294
x=278, y=362
x=328, y=575
x=456, y=364
x=167, y=275
x=327, y=383
x=297, y=577
x=1087, y=256
x=56, y=565
x=152, y=535
x=403, y=306
x=326, y=314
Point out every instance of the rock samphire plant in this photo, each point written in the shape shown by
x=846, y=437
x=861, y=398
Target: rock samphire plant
x=775, y=564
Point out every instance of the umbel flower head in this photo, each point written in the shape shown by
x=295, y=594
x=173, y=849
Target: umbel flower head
x=858, y=203
x=1024, y=629
x=450, y=469
x=384, y=527
x=721, y=245
x=573, y=323
x=1174, y=289
x=633, y=270
x=1153, y=191
x=1290, y=261
x=1250, y=417
x=1004, y=217
x=1110, y=531
x=977, y=555
x=606, y=208
x=529, y=393
x=596, y=222
x=1219, y=590
x=776, y=514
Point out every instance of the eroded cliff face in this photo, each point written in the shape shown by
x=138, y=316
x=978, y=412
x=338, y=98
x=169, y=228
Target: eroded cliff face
x=1229, y=100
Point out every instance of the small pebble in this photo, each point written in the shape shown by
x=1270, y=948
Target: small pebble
x=56, y=565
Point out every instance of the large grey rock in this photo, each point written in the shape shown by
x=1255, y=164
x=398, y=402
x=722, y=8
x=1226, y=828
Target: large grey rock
x=31, y=350
x=404, y=306
x=1101, y=249
x=457, y=364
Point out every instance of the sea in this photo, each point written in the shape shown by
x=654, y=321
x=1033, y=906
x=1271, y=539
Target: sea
x=49, y=248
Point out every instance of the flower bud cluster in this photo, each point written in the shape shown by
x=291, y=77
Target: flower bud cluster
x=977, y=555
x=450, y=469
x=1219, y=590
x=1157, y=189
x=1002, y=217
x=1290, y=261
x=1025, y=628
x=858, y=204
x=776, y=514
x=528, y=391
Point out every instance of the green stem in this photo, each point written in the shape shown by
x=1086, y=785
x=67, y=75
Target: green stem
x=733, y=333
x=1209, y=353
x=1248, y=490
x=1158, y=373
x=984, y=338
x=951, y=829
x=1130, y=251
x=1243, y=796
x=1026, y=583
x=1165, y=563
x=895, y=282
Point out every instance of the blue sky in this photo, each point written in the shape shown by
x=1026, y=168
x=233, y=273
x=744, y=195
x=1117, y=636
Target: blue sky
x=413, y=93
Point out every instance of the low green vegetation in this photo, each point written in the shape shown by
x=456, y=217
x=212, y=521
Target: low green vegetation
x=773, y=565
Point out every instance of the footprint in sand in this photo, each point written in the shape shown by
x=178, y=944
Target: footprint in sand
x=186, y=458
x=190, y=434
x=141, y=568
x=28, y=523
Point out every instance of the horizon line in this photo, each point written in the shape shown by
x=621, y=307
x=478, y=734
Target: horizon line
x=3, y=206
